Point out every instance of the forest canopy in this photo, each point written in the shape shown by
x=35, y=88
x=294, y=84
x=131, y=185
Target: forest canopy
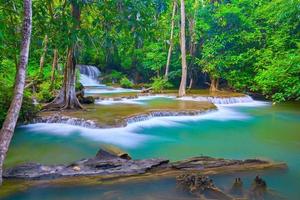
x=241, y=45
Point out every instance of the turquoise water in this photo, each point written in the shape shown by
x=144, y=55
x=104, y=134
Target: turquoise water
x=254, y=130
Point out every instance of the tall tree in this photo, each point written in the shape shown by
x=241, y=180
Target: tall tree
x=42, y=59
x=54, y=66
x=182, y=87
x=171, y=39
x=66, y=98
x=9, y=124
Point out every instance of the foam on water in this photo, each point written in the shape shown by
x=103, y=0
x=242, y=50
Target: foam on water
x=88, y=82
x=139, y=100
x=220, y=100
x=128, y=136
x=118, y=136
x=108, y=90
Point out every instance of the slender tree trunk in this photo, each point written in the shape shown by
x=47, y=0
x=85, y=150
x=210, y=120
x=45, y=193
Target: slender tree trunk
x=9, y=124
x=191, y=83
x=183, y=51
x=214, y=84
x=192, y=45
x=66, y=98
x=171, y=39
x=42, y=59
x=54, y=65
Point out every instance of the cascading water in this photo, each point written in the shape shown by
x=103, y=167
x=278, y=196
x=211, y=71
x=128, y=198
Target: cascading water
x=221, y=100
x=89, y=78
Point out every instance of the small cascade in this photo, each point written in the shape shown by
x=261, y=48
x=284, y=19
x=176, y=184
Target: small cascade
x=90, y=71
x=89, y=75
x=144, y=117
x=67, y=120
x=221, y=100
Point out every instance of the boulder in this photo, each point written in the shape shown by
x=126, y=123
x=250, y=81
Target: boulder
x=87, y=100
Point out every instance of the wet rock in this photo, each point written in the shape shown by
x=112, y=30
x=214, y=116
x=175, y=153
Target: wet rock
x=87, y=100
x=117, y=99
x=110, y=152
x=66, y=120
x=114, y=162
x=105, y=163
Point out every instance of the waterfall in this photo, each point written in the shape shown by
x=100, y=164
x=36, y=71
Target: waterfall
x=91, y=71
x=150, y=115
x=67, y=120
x=89, y=75
x=221, y=100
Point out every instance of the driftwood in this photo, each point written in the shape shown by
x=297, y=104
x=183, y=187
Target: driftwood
x=146, y=90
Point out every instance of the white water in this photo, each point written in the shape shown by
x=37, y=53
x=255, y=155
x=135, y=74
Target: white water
x=218, y=100
x=89, y=78
x=138, y=100
x=129, y=137
x=230, y=101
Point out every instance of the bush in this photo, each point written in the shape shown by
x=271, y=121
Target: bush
x=126, y=83
x=28, y=110
x=45, y=93
x=159, y=84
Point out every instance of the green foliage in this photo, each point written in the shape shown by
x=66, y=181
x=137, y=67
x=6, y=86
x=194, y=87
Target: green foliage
x=251, y=45
x=28, y=110
x=7, y=72
x=45, y=93
x=159, y=84
x=155, y=57
x=126, y=83
x=7, y=76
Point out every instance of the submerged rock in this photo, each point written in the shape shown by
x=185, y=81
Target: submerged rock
x=200, y=186
x=87, y=100
x=258, y=189
x=237, y=187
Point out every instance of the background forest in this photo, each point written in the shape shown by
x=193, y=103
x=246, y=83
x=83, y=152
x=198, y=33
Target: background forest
x=241, y=45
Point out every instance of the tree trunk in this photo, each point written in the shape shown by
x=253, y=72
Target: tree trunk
x=191, y=84
x=9, y=124
x=171, y=39
x=42, y=59
x=183, y=51
x=54, y=65
x=66, y=98
x=214, y=84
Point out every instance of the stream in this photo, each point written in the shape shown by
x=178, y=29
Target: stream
x=253, y=129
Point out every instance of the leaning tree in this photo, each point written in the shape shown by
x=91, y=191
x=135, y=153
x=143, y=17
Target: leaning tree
x=9, y=124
